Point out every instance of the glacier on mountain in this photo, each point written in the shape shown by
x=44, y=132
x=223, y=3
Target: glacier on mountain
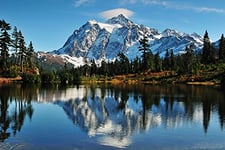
x=104, y=41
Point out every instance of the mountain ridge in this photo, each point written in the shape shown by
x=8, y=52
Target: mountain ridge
x=105, y=40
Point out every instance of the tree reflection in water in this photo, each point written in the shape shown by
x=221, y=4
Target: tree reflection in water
x=113, y=113
x=11, y=121
x=117, y=112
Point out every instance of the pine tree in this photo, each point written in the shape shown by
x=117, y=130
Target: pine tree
x=157, y=62
x=4, y=43
x=206, y=49
x=172, y=61
x=166, y=61
x=22, y=49
x=104, y=68
x=189, y=59
x=136, y=65
x=116, y=65
x=222, y=49
x=94, y=68
x=208, y=55
x=86, y=67
x=144, y=48
x=124, y=63
x=30, y=54
x=196, y=65
x=15, y=43
x=150, y=60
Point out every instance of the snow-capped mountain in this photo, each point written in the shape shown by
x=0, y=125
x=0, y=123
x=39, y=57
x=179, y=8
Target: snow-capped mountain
x=99, y=41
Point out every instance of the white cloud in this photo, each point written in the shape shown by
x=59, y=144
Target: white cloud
x=198, y=9
x=155, y=2
x=209, y=10
x=115, y=12
x=78, y=3
x=145, y=2
x=171, y=5
x=122, y=2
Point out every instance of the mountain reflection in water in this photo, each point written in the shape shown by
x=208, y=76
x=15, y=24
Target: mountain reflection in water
x=117, y=114
x=113, y=114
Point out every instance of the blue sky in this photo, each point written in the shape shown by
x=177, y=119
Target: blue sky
x=48, y=23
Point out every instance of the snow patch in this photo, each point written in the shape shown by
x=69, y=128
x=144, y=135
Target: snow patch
x=107, y=27
x=76, y=61
x=158, y=36
x=104, y=41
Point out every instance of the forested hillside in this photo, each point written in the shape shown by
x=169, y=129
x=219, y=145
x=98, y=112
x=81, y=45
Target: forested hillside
x=208, y=64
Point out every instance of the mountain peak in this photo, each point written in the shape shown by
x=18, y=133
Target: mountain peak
x=172, y=32
x=104, y=41
x=120, y=19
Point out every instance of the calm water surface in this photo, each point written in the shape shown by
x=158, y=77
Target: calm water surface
x=112, y=117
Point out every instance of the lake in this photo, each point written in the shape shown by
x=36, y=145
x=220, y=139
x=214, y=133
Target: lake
x=168, y=117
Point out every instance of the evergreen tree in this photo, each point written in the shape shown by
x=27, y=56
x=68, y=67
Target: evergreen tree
x=157, y=62
x=166, y=61
x=181, y=68
x=172, y=61
x=22, y=49
x=86, y=67
x=189, y=59
x=65, y=76
x=15, y=43
x=136, y=65
x=124, y=63
x=111, y=69
x=222, y=49
x=117, y=67
x=144, y=48
x=30, y=54
x=75, y=76
x=196, y=65
x=103, y=70
x=93, y=69
x=208, y=55
x=150, y=60
x=4, y=43
x=206, y=49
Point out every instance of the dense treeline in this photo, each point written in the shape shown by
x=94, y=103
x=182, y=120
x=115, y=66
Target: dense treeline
x=65, y=76
x=188, y=62
x=17, y=59
x=15, y=56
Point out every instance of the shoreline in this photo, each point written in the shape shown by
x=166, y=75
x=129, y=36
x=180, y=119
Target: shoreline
x=9, y=80
x=128, y=80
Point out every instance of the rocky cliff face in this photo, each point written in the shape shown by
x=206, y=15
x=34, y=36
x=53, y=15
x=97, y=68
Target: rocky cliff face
x=99, y=41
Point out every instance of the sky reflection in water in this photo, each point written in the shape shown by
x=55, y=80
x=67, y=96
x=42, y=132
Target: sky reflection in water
x=111, y=117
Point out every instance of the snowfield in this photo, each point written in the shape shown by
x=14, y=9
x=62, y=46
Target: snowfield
x=104, y=41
